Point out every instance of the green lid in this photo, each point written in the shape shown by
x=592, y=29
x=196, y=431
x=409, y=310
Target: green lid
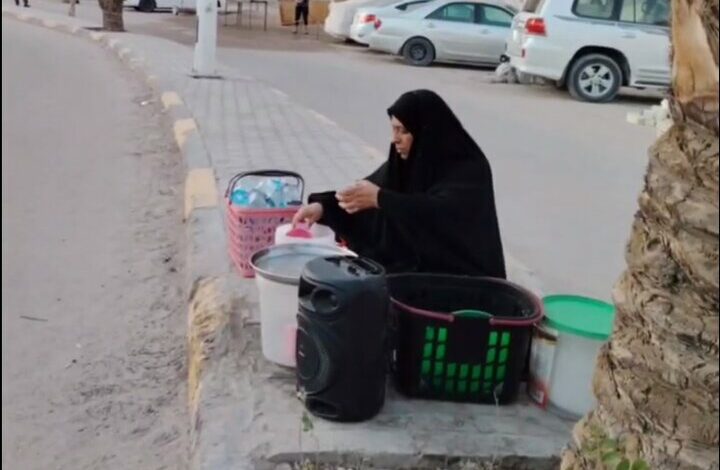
x=581, y=316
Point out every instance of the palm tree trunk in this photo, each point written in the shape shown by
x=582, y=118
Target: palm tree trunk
x=112, y=11
x=656, y=381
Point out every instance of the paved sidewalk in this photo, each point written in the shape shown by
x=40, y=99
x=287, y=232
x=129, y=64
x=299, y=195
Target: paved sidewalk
x=244, y=411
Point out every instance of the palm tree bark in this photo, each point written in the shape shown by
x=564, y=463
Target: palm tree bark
x=112, y=11
x=656, y=381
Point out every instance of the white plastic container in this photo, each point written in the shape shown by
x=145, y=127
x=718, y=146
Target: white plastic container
x=573, y=369
x=564, y=351
x=320, y=235
x=277, y=274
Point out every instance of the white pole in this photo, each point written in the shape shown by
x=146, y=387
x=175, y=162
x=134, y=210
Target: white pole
x=204, y=60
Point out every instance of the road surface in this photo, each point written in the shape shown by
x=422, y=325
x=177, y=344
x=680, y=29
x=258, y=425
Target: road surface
x=92, y=319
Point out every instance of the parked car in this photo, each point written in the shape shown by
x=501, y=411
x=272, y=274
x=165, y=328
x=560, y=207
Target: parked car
x=594, y=46
x=340, y=15
x=364, y=21
x=447, y=31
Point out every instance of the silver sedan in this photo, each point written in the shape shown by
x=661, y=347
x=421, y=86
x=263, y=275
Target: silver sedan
x=446, y=31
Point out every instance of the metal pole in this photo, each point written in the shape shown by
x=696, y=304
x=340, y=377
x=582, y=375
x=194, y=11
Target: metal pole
x=265, y=22
x=206, y=45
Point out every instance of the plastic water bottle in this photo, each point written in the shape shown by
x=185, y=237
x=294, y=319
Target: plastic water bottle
x=277, y=193
x=240, y=197
x=265, y=186
x=258, y=200
x=292, y=195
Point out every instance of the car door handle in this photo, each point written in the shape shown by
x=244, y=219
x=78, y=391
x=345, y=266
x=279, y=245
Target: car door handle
x=629, y=36
x=484, y=31
x=430, y=25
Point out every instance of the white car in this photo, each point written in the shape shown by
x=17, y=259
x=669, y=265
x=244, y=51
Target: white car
x=472, y=31
x=594, y=46
x=340, y=15
x=363, y=24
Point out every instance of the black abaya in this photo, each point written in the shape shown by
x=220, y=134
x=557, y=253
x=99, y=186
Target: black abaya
x=436, y=208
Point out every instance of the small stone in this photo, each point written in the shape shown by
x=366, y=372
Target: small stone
x=633, y=118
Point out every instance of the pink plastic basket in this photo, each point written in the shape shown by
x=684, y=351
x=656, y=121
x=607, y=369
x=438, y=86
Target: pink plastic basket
x=250, y=230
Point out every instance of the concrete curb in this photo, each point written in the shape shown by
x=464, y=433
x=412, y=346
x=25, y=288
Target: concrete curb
x=209, y=302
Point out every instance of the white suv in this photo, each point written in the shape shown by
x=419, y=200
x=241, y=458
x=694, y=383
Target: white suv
x=593, y=46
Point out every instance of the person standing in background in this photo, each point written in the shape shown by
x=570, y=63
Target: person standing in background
x=302, y=10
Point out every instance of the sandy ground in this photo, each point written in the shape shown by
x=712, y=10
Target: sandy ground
x=93, y=361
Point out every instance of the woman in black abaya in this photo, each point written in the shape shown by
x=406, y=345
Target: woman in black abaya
x=430, y=208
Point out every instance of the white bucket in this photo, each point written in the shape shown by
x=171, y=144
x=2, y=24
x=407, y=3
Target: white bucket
x=573, y=369
x=320, y=234
x=564, y=351
x=277, y=274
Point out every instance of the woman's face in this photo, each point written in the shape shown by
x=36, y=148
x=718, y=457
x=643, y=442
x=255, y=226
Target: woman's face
x=401, y=138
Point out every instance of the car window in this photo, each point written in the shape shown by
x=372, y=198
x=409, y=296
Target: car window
x=656, y=12
x=627, y=12
x=652, y=12
x=494, y=16
x=458, y=12
x=599, y=9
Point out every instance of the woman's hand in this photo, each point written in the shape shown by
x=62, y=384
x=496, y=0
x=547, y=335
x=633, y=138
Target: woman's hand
x=309, y=214
x=360, y=196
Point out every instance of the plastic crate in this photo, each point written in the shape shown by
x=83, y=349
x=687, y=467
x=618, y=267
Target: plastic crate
x=461, y=338
x=249, y=230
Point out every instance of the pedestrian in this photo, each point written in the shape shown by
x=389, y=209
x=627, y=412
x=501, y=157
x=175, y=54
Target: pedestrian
x=430, y=207
x=302, y=10
x=26, y=3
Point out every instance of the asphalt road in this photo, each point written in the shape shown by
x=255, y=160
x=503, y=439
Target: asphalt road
x=92, y=318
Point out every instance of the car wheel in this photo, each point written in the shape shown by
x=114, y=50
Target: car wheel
x=419, y=52
x=595, y=78
x=147, y=6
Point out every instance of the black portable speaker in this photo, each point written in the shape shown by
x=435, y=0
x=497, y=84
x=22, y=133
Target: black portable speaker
x=341, y=347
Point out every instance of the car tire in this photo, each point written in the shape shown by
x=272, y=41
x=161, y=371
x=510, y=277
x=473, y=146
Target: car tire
x=147, y=6
x=419, y=52
x=595, y=78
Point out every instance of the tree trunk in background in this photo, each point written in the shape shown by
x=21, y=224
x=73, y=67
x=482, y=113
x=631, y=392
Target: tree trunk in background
x=112, y=15
x=657, y=380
